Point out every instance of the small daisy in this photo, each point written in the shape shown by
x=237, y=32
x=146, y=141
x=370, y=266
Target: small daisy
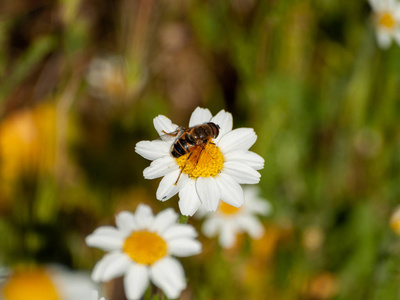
x=224, y=164
x=106, y=77
x=387, y=21
x=141, y=247
x=228, y=221
x=47, y=283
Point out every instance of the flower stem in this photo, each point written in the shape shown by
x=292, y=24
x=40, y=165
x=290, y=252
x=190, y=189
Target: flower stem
x=183, y=219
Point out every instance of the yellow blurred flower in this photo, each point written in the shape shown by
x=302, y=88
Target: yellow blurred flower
x=313, y=238
x=27, y=143
x=47, y=283
x=323, y=286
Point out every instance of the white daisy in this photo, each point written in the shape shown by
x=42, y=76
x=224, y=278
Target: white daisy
x=387, y=21
x=47, y=283
x=106, y=77
x=140, y=249
x=224, y=164
x=228, y=221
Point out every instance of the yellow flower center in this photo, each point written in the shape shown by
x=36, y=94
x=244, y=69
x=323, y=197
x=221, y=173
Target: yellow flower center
x=30, y=284
x=145, y=247
x=227, y=209
x=202, y=162
x=386, y=20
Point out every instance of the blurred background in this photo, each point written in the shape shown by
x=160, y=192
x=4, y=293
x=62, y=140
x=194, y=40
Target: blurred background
x=81, y=81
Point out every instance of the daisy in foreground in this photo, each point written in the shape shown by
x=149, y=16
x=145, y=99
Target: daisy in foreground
x=140, y=249
x=387, y=21
x=229, y=221
x=46, y=283
x=214, y=173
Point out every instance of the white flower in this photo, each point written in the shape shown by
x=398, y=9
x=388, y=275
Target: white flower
x=228, y=221
x=224, y=164
x=45, y=283
x=106, y=77
x=140, y=249
x=387, y=21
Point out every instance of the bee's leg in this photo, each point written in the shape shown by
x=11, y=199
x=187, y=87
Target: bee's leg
x=198, y=157
x=174, y=133
x=205, y=150
x=170, y=133
x=184, y=166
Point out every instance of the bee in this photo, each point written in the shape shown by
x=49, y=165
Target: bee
x=192, y=140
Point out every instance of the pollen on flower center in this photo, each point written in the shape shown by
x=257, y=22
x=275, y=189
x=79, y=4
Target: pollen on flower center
x=202, y=162
x=386, y=20
x=227, y=209
x=145, y=247
x=33, y=284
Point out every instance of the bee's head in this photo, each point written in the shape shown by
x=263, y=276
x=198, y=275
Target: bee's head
x=215, y=128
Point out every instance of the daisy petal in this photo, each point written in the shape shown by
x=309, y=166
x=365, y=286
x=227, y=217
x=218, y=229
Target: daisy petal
x=384, y=40
x=238, y=139
x=136, y=281
x=125, y=221
x=260, y=207
x=167, y=187
x=231, y=191
x=241, y=172
x=143, y=216
x=227, y=237
x=397, y=35
x=211, y=227
x=250, y=158
x=374, y=4
x=189, y=201
x=116, y=267
x=164, y=220
x=251, y=225
x=106, y=238
x=103, y=264
x=224, y=120
x=160, y=167
x=169, y=276
x=183, y=247
x=164, y=125
x=152, y=150
x=179, y=231
x=199, y=116
x=208, y=192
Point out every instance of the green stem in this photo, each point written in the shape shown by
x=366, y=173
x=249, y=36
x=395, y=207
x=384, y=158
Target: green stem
x=183, y=219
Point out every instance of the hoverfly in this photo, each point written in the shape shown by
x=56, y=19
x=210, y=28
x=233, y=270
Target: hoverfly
x=192, y=140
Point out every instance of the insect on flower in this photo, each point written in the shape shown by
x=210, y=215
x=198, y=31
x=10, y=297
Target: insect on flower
x=192, y=140
x=205, y=162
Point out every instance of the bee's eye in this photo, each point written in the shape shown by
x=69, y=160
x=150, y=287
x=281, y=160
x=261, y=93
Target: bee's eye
x=216, y=130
